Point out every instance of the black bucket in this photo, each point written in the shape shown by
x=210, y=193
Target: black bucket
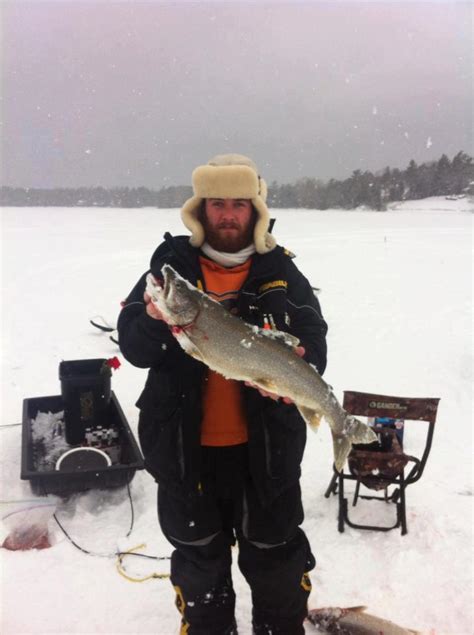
x=85, y=390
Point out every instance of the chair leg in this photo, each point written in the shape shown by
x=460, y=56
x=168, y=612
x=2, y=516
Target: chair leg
x=342, y=505
x=403, y=511
x=332, y=487
x=356, y=493
x=336, y=486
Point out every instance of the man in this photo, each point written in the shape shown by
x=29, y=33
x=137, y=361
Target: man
x=225, y=455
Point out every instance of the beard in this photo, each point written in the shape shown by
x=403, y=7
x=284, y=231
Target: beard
x=228, y=236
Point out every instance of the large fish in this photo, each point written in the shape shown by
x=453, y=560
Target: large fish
x=239, y=351
x=354, y=621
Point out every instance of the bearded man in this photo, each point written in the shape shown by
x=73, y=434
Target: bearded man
x=226, y=456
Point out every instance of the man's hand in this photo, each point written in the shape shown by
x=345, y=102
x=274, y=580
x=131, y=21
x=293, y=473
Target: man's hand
x=300, y=351
x=151, y=309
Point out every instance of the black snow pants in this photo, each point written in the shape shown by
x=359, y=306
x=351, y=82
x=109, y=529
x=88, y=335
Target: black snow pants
x=273, y=552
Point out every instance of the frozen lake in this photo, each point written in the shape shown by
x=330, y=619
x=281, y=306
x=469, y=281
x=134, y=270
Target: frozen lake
x=396, y=291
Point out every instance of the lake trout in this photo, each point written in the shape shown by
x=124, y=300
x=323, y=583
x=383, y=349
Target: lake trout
x=354, y=621
x=265, y=358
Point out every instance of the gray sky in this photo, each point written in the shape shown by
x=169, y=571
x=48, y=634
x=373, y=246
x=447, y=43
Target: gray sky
x=140, y=93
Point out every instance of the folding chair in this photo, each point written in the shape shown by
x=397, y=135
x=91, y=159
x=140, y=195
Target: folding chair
x=382, y=465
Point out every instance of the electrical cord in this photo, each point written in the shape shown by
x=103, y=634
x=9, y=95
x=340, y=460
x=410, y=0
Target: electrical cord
x=132, y=512
x=92, y=553
x=120, y=554
x=131, y=552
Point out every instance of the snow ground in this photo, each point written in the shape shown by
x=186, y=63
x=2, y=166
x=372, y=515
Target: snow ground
x=397, y=294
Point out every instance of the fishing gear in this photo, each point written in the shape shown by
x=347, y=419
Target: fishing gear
x=104, y=327
x=121, y=554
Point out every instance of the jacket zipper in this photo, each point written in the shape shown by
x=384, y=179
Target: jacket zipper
x=268, y=451
x=180, y=446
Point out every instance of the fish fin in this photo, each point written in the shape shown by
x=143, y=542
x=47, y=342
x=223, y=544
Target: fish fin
x=197, y=355
x=312, y=418
x=266, y=384
x=189, y=347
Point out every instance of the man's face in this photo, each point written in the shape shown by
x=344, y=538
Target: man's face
x=228, y=223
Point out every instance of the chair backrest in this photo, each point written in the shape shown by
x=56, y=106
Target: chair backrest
x=406, y=408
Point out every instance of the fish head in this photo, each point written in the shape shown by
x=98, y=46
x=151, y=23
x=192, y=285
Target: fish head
x=325, y=618
x=178, y=300
x=329, y=618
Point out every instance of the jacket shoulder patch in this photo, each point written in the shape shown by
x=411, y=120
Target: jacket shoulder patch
x=274, y=284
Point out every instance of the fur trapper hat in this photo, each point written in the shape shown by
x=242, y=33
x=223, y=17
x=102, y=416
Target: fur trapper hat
x=229, y=176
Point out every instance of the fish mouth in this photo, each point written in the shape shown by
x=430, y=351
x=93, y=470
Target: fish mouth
x=169, y=276
x=166, y=286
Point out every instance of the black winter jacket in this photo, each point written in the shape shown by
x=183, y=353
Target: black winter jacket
x=171, y=402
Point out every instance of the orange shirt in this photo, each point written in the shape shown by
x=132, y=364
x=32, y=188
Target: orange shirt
x=224, y=421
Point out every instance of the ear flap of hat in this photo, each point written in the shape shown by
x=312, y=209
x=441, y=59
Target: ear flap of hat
x=264, y=241
x=263, y=189
x=189, y=216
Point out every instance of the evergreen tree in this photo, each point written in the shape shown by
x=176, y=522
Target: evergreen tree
x=442, y=177
x=411, y=179
x=437, y=178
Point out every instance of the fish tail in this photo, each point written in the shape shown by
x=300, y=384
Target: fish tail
x=354, y=432
x=357, y=431
x=342, y=447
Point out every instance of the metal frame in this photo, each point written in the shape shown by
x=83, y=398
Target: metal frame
x=374, y=405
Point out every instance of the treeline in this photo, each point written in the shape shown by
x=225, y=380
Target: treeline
x=128, y=197
x=375, y=191
x=444, y=177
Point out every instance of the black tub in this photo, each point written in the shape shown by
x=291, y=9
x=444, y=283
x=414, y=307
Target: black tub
x=85, y=389
x=66, y=482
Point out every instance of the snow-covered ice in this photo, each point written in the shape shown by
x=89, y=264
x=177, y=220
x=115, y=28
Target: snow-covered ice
x=397, y=294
